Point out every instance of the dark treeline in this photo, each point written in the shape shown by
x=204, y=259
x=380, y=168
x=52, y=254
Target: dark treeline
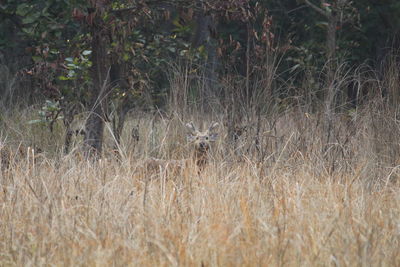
x=250, y=57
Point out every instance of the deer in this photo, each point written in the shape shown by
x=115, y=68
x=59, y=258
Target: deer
x=200, y=142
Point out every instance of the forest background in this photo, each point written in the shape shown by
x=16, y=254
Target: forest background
x=245, y=57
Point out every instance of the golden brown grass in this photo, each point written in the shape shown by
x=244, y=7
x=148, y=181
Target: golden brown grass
x=286, y=210
x=81, y=214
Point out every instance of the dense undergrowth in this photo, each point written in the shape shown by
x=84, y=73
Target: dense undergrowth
x=275, y=195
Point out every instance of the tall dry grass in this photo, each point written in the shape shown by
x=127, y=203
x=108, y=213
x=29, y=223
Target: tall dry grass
x=287, y=208
x=277, y=194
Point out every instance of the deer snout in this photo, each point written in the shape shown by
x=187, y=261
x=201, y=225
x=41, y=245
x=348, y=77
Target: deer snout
x=203, y=145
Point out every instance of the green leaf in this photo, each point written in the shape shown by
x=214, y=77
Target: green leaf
x=125, y=57
x=294, y=67
x=3, y=7
x=86, y=52
x=54, y=52
x=52, y=108
x=35, y=121
x=63, y=78
x=201, y=49
x=176, y=22
x=28, y=30
x=37, y=59
x=29, y=20
x=71, y=73
x=22, y=9
x=322, y=24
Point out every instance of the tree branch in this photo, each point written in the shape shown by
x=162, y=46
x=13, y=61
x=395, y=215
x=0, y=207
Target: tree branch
x=319, y=10
x=155, y=4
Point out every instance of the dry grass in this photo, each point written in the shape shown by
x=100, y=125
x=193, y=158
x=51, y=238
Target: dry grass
x=286, y=210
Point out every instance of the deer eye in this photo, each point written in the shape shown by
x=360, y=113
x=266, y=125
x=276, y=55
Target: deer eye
x=206, y=137
x=197, y=138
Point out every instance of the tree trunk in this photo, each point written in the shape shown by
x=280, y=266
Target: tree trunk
x=94, y=132
x=331, y=47
x=100, y=87
x=123, y=104
x=205, y=29
x=331, y=89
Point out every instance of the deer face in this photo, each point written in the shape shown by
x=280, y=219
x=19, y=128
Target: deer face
x=202, y=140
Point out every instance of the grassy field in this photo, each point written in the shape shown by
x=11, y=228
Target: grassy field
x=285, y=200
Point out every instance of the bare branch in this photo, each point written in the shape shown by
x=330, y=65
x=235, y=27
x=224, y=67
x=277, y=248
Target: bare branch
x=319, y=10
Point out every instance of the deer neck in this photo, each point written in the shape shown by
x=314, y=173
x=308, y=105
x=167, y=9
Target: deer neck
x=201, y=158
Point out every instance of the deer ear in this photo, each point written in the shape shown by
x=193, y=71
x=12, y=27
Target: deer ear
x=190, y=126
x=213, y=126
x=213, y=137
x=190, y=137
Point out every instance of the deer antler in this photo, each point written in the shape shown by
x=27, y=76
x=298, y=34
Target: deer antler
x=213, y=126
x=191, y=128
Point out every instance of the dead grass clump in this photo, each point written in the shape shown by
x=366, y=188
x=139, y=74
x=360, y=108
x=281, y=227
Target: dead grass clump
x=103, y=214
x=283, y=200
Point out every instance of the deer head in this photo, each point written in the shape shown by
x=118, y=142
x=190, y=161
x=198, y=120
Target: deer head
x=201, y=140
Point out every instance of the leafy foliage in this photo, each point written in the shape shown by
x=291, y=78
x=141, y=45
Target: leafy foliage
x=143, y=39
